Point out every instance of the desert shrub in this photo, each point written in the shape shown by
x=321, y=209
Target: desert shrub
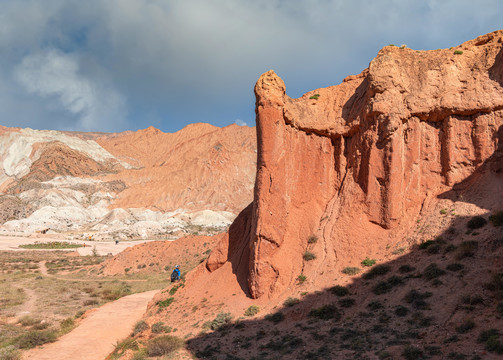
x=378, y=270
x=385, y=286
x=165, y=303
x=368, y=262
x=291, y=301
x=275, y=317
x=312, y=239
x=401, y=310
x=443, y=211
x=67, y=324
x=375, y=305
x=417, y=299
x=412, y=353
x=486, y=334
x=347, y=302
x=455, y=267
x=140, y=355
x=90, y=302
x=28, y=320
x=458, y=52
x=432, y=271
x=426, y=244
x=285, y=345
x=315, y=97
x=122, y=346
x=308, y=256
x=34, y=338
x=326, y=312
x=175, y=288
x=472, y=299
x=41, y=326
x=159, y=327
x=339, y=290
x=163, y=345
x=497, y=218
x=222, y=320
x=406, y=269
x=139, y=327
x=499, y=308
x=465, y=326
x=350, y=270
x=476, y=222
x=252, y=310
x=301, y=278
x=10, y=353
x=467, y=249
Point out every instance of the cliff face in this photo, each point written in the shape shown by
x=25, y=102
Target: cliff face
x=354, y=164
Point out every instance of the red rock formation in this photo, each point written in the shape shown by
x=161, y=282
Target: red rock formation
x=355, y=165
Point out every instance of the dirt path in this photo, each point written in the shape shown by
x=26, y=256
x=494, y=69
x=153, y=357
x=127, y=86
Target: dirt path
x=97, y=334
x=29, y=306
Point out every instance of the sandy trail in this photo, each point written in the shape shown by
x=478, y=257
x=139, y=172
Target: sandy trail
x=97, y=334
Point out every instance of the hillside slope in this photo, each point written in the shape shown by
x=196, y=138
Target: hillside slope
x=392, y=165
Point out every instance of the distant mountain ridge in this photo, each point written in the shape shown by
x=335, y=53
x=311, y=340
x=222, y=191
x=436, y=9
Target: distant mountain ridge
x=72, y=181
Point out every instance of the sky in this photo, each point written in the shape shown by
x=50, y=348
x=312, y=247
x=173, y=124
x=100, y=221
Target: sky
x=115, y=65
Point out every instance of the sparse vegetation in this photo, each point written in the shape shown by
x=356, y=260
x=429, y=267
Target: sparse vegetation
x=291, y=301
x=350, y=270
x=139, y=327
x=34, y=338
x=165, y=303
x=497, y=218
x=465, y=326
x=378, y=270
x=314, y=97
x=476, y=222
x=163, y=345
x=308, y=256
x=466, y=249
x=275, y=317
x=326, y=312
x=432, y=271
x=252, y=310
x=339, y=290
x=222, y=320
x=458, y=52
x=368, y=262
x=301, y=278
x=52, y=245
x=159, y=327
x=312, y=239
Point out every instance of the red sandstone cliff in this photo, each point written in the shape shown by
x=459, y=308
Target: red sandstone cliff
x=356, y=165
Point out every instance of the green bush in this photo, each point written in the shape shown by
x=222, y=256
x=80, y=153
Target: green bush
x=458, y=52
x=432, y=271
x=34, y=338
x=165, y=303
x=252, y=310
x=350, y=270
x=476, y=222
x=466, y=249
x=28, y=320
x=301, y=278
x=308, y=256
x=347, y=302
x=315, y=96
x=406, y=268
x=163, y=345
x=375, y=305
x=378, y=270
x=339, y=290
x=67, y=324
x=497, y=218
x=139, y=327
x=276, y=317
x=222, y=320
x=368, y=262
x=291, y=301
x=401, y=311
x=124, y=345
x=412, y=353
x=326, y=312
x=10, y=353
x=159, y=327
x=465, y=326
x=417, y=299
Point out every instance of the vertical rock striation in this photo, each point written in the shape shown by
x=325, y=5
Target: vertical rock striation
x=353, y=164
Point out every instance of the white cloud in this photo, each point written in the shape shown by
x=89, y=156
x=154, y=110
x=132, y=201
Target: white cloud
x=55, y=76
x=240, y=122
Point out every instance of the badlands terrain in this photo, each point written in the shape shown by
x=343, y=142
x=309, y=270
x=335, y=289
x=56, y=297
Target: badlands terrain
x=375, y=229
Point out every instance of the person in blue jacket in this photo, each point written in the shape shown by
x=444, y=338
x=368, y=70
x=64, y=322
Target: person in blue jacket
x=175, y=275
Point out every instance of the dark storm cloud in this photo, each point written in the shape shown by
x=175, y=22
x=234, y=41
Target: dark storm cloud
x=127, y=64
